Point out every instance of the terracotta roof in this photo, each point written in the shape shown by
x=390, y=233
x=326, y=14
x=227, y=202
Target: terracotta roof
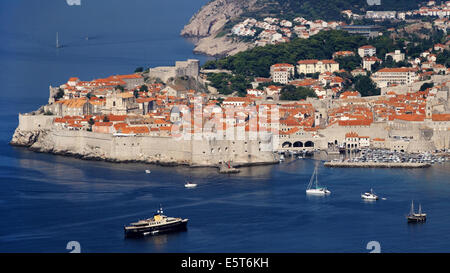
x=351, y=134
x=440, y=117
x=316, y=61
x=107, y=124
x=399, y=69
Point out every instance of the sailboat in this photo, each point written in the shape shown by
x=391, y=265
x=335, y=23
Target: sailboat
x=313, y=186
x=414, y=217
x=57, y=41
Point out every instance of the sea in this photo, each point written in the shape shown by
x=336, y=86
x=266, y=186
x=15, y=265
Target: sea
x=47, y=202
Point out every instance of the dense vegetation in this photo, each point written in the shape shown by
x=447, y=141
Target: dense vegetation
x=426, y=85
x=59, y=94
x=290, y=92
x=226, y=84
x=256, y=62
x=349, y=62
x=443, y=58
x=365, y=86
x=327, y=9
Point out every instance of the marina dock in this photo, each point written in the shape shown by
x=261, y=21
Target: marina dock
x=332, y=164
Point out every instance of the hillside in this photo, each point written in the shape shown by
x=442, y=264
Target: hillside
x=328, y=9
x=209, y=23
x=256, y=62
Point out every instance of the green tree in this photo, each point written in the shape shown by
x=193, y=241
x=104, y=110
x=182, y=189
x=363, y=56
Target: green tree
x=120, y=87
x=349, y=62
x=365, y=86
x=59, y=94
x=139, y=69
x=444, y=58
x=143, y=88
x=290, y=92
x=426, y=85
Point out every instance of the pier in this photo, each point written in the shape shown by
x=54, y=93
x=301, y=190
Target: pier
x=332, y=164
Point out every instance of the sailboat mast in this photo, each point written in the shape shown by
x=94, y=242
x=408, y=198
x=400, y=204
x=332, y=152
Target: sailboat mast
x=412, y=208
x=420, y=209
x=312, y=179
x=57, y=40
x=317, y=186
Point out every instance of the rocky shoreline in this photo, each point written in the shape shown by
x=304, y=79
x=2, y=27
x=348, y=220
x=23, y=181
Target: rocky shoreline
x=40, y=141
x=210, y=20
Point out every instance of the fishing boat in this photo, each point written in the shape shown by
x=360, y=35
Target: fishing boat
x=414, y=217
x=370, y=195
x=313, y=186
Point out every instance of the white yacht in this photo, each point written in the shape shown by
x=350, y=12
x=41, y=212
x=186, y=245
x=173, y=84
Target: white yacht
x=313, y=186
x=369, y=195
x=147, y=171
x=190, y=185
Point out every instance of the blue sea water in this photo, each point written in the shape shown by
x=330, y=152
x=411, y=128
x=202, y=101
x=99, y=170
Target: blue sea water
x=47, y=201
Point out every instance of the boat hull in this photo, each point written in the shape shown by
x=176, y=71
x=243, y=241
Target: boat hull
x=318, y=192
x=151, y=231
x=369, y=198
x=416, y=219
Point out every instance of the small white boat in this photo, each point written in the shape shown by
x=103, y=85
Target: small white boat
x=369, y=196
x=313, y=186
x=147, y=171
x=190, y=185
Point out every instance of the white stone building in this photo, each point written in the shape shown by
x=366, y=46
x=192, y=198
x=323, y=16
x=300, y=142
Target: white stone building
x=388, y=76
x=397, y=56
x=367, y=50
x=317, y=66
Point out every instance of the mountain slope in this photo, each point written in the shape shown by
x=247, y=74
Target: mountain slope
x=213, y=16
x=209, y=22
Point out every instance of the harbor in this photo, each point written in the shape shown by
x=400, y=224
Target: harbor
x=338, y=164
x=371, y=158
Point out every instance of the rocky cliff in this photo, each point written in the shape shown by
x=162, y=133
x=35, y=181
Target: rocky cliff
x=219, y=47
x=213, y=16
x=210, y=21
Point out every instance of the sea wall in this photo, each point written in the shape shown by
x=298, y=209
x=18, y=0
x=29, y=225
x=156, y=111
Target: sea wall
x=337, y=133
x=37, y=133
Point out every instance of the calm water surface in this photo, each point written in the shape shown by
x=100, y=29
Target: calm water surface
x=47, y=201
